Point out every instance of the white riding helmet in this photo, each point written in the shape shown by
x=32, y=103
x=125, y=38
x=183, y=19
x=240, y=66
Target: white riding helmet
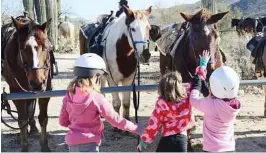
x=89, y=64
x=224, y=82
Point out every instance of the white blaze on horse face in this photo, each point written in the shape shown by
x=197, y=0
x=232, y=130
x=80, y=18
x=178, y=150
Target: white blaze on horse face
x=139, y=34
x=206, y=30
x=33, y=44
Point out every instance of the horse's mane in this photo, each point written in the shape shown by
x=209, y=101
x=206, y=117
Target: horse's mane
x=141, y=16
x=202, y=15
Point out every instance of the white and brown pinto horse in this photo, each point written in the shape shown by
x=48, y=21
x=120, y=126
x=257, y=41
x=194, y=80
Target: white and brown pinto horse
x=125, y=42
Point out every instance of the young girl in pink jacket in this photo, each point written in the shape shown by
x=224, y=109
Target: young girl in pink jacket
x=220, y=107
x=83, y=106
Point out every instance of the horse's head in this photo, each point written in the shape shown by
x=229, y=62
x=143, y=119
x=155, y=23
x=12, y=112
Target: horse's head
x=155, y=32
x=204, y=34
x=33, y=53
x=138, y=31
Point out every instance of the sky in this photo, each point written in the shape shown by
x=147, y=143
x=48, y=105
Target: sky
x=89, y=9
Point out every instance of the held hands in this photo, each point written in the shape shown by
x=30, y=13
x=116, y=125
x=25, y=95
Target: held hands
x=141, y=146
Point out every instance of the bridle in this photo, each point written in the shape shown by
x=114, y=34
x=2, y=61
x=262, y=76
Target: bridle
x=195, y=53
x=134, y=42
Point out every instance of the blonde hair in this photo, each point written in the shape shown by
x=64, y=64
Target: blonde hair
x=82, y=83
x=170, y=87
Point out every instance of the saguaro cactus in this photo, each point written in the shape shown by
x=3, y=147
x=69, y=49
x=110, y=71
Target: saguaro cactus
x=50, y=14
x=40, y=11
x=210, y=5
x=29, y=7
x=59, y=11
x=55, y=17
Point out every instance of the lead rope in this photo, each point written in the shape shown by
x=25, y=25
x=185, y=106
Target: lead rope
x=136, y=97
x=6, y=106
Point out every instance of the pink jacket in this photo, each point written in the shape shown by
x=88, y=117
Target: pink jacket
x=218, y=123
x=81, y=114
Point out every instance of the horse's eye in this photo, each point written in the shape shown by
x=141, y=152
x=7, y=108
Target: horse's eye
x=133, y=29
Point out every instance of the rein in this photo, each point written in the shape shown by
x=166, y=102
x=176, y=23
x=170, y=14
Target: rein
x=136, y=95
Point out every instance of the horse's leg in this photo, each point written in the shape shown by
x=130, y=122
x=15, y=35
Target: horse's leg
x=21, y=106
x=163, y=63
x=126, y=97
x=43, y=120
x=32, y=122
x=264, y=87
x=115, y=99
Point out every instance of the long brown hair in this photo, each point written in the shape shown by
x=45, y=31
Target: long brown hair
x=170, y=87
x=82, y=83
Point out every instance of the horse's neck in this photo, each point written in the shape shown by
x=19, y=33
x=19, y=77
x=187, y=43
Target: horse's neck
x=190, y=52
x=12, y=51
x=116, y=30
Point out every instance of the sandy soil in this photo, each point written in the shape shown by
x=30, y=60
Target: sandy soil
x=250, y=126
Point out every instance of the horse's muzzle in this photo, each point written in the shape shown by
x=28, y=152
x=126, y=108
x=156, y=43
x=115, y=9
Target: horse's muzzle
x=36, y=87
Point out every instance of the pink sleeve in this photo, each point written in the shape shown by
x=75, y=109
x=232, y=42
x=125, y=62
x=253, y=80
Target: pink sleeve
x=63, y=118
x=108, y=112
x=153, y=127
x=197, y=102
x=201, y=71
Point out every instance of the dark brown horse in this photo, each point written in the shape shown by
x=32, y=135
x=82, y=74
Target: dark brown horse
x=236, y=23
x=27, y=68
x=201, y=34
x=250, y=25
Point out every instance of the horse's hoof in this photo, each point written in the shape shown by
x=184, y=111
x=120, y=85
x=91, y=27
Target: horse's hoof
x=34, y=131
x=117, y=130
x=45, y=149
x=25, y=149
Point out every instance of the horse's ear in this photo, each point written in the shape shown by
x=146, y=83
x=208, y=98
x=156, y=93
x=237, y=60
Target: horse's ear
x=148, y=11
x=127, y=11
x=18, y=25
x=187, y=17
x=45, y=25
x=216, y=17
x=130, y=15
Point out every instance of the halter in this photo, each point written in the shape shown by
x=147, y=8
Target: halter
x=196, y=54
x=134, y=42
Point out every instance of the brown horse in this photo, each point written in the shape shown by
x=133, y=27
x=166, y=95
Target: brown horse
x=201, y=34
x=28, y=68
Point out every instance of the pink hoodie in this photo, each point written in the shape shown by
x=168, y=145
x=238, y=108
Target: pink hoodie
x=218, y=123
x=81, y=114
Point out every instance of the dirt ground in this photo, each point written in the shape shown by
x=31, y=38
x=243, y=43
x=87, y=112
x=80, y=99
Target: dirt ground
x=250, y=126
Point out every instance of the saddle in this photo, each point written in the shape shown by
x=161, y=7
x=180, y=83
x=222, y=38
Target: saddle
x=256, y=46
x=170, y=39
x=93, y=32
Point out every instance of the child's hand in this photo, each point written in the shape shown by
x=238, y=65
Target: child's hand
x=141, y=145
x=139, y=148
x=205, y=55
x=204, y=58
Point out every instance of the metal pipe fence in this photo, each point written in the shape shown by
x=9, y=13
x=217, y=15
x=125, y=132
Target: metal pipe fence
x=60, y=93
